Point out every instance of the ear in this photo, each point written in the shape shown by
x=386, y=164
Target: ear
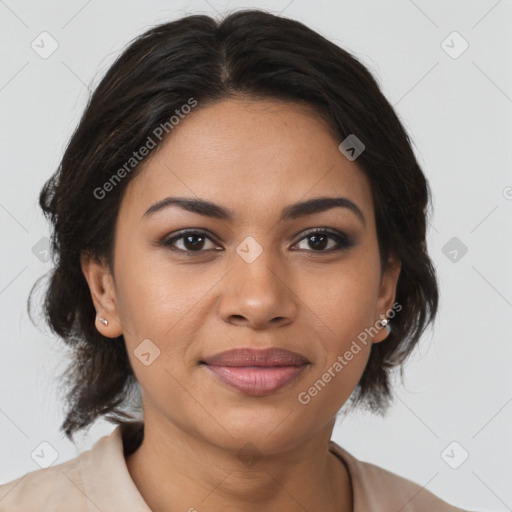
x=101, y=285
x=386, y=297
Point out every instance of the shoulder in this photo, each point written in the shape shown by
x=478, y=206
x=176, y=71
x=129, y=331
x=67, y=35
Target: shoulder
x=97, y=479
x=380, y=490
x=53, y=488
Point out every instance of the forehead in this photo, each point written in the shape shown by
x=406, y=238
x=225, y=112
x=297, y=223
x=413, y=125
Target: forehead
x=251, y=156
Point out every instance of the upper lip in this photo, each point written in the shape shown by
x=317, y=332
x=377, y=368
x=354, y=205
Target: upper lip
x=256, y=357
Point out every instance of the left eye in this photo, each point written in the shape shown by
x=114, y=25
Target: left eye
x=319, y=240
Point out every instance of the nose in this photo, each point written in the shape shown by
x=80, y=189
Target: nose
x=259, y=294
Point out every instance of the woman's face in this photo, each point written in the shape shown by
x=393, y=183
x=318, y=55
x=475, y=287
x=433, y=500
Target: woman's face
x=258, y=279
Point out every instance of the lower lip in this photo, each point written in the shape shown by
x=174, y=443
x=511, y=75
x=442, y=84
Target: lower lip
x=257, y=381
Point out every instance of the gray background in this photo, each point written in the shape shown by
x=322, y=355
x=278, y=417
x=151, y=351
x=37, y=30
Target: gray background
x=458, y=111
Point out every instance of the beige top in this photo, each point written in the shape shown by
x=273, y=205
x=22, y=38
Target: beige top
x=98, y=480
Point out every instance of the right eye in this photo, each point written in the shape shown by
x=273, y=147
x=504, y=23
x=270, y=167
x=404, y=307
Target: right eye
x=192, y=241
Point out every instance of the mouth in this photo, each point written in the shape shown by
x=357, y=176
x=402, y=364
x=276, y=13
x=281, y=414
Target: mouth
x=256, y=372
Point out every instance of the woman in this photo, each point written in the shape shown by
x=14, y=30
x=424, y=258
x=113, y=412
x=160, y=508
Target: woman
x=239, y=229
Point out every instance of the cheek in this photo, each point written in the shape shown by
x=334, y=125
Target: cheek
x=160, y=310
x=342, y=303
x=343, y=349
x=154, y=296
x=331, y=386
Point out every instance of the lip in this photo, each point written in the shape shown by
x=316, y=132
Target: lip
x=273, y=356
x=257, y=372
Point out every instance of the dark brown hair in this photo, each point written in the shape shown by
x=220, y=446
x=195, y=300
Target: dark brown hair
x=249, y=52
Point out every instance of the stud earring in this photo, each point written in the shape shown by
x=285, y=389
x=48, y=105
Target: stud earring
x=385, y=323
x=104, y=321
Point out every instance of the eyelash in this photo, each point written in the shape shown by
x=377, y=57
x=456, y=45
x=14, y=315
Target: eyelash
x=343, y=241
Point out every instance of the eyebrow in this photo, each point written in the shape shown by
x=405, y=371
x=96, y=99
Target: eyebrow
x=291, y=212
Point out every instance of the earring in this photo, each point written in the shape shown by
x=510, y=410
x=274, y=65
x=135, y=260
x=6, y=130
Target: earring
x=385, y=323
x=104, y=321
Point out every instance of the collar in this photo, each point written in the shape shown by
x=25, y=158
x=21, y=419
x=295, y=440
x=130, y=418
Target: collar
x=105, y=462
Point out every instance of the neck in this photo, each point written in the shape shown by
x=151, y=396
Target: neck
x=174, y=470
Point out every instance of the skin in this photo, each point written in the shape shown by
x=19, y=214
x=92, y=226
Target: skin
x=254, y=157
